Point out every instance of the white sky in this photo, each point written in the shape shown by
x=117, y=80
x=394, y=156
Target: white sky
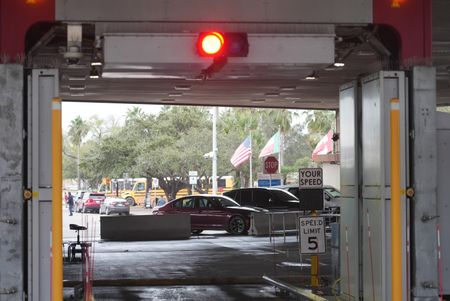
x=70, y=110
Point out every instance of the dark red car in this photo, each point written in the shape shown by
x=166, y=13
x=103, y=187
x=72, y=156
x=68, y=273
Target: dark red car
x=90, y=202
x=210, y=212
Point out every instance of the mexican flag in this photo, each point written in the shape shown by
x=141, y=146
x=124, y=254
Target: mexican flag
x=272, y=146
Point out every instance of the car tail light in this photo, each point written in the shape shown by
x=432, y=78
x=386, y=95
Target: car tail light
x=90, y=200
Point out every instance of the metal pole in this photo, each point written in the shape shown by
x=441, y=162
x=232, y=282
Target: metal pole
x=314, y=264
x=280, y=153
x=56, y=242
x=214, y=149
x=251, y=164
x=396, y=214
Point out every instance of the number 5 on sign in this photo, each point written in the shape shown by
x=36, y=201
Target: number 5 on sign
x=312, y=235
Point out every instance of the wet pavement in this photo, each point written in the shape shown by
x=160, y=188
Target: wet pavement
x=212, y=265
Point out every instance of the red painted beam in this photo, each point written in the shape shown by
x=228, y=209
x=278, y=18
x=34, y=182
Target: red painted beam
x=412, y=21
x=16, y=17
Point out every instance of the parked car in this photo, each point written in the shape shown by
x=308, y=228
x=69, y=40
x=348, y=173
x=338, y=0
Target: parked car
x=331, y=196
x=267, y=198
x=115, y=205
x=210, y=212
x=77, y=197
x=90, y=202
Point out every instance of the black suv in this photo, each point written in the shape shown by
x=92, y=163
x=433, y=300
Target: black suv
x=267, y=198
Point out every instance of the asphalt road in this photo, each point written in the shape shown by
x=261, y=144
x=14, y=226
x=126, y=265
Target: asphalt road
x=212, y=265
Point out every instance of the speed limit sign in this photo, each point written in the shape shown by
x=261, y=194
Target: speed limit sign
x=312, y=235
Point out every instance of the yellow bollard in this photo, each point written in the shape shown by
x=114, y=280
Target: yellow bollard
x=56, y=243
x=396, y=214
x=314, y=265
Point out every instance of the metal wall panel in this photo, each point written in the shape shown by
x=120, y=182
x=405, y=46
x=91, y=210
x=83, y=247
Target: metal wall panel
x=44, y=86
x=424, y=182
x=350, y=203
x=443, y=193
x=304, y=11
x=11, y=183
x=377, y=91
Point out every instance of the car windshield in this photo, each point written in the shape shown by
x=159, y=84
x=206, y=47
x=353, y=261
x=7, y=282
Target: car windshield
x=283, y=195
x=227, y=202
x=96, y=196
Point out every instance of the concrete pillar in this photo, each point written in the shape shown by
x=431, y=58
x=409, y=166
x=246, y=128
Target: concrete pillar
x=11, y=183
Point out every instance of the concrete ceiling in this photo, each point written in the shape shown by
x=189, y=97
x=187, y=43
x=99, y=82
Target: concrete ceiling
x=280, y=87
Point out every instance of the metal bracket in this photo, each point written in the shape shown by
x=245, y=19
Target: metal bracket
x=8, y=220
x=27, y=194
x=427, y=218
x=8, y=291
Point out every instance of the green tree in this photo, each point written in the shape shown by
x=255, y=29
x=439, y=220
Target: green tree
x=78, y=130
x=318, y=123
x=177, y=146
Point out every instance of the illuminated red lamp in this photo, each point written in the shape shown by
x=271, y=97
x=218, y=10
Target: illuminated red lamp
x=228, y=44
x=210, y=44
x=397, y=3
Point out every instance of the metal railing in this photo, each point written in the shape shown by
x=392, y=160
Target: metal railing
x=288, y=227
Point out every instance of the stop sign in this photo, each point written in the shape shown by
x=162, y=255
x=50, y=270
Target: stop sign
x=270, y=165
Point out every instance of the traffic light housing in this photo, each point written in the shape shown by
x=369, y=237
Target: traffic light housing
x=229, y=44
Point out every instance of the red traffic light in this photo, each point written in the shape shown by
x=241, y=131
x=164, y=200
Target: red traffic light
x=215, y=44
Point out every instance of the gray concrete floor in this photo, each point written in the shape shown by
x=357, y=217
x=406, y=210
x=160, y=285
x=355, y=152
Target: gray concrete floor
x=213, y=265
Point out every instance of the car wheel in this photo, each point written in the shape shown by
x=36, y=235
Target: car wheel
x=130, y=201
x=107, y=211
x=197, y=232
x=236, y=225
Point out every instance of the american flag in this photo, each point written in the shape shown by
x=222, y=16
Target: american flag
x=242, y=153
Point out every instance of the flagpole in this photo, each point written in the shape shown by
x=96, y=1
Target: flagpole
x=280, y=158
x=214, y=149
x=251, y=155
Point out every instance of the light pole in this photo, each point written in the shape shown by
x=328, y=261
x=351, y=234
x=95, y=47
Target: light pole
x=214, y=150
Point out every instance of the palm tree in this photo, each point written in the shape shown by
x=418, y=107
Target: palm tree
x=78, y=130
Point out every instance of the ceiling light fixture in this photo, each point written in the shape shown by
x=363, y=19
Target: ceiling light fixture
x=175, y=94
x=76, y=78
x=339, y=64
x=183, y=87
x=288, y=88
x=293, y=99
x=77, y=94
x=312, y=76
x=272, y=94
x=77, y=88
x=94, y=73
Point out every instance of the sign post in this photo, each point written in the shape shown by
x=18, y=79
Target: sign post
x=312, y=241
x=312, y=235
x=312, y=229
x=193, y=178
x=270, y=167
x=155, y=185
